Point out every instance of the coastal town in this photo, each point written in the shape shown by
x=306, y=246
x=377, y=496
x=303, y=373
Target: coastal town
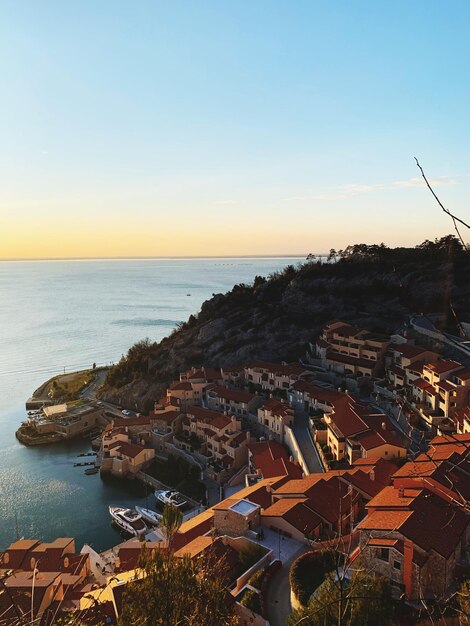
x=362, y=446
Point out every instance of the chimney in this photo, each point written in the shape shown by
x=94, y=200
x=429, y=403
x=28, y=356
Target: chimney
x=372, y=474
x=408, y=567
x=401, y=492
x=384, y=425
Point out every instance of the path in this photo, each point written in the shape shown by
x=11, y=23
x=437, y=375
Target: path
x=302, y=433
x=278, y=597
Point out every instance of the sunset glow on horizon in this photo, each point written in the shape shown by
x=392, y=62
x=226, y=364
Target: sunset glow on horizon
x=205, y=128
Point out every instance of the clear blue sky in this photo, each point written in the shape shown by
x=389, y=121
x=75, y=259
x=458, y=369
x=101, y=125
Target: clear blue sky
x=212, y=127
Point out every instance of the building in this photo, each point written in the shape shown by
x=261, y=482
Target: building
x=234, y=401
x=38, y=578
x=417, y=531
x=218, y=437
x=274, y=377
x=345, y=349
x=267, y=459
x=273, y=417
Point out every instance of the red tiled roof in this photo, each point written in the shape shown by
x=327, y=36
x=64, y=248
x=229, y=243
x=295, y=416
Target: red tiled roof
x=183, y=385
x=446, y=386
x=232, y=395
x=346, y=359
x=204, y=415
x=298, y=512
x=443, y=365
x=292, y=369
x=407, y=350
x=271, y=459
x=166, y=416
x=131, y=450
x=144, y=420
x=463, y=374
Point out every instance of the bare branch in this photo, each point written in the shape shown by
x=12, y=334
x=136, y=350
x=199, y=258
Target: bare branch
x=455, y=219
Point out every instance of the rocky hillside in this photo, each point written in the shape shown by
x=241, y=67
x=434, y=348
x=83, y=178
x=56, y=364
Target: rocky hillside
x=372, y=286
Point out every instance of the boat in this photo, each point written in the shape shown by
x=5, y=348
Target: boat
x=129, y=520
x=92, y=470
x=151, y=517
x=170, y=497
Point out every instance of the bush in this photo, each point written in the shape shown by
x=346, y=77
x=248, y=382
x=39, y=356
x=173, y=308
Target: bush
x=251, y=600
x=257, y=579
x=250, y=554
x=308, y=573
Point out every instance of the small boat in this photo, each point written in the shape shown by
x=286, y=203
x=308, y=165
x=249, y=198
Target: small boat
x=151, y=517
x=170, y=497
x=92, y=470
x=129, y=520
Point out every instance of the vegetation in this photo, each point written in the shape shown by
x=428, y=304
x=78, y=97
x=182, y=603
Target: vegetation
x=256, y=580
x=250, y=554
x=131, y=366
x=373, y=286
x=363, y=600
x=174, y=591
x=308, y=573
x=179, y=474
x=251, y=600
x=68, y=387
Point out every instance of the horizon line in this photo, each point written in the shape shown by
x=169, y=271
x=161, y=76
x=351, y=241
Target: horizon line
x=143, y=258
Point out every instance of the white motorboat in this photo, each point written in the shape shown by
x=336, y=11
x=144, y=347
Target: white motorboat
x=151, y=517
x=170, y=497
x=129, y=520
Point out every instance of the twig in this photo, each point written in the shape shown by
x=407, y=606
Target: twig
x=455, y=219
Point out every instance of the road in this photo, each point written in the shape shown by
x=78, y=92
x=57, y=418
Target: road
x=301, y=430
x=90, y=391
x=278, y=598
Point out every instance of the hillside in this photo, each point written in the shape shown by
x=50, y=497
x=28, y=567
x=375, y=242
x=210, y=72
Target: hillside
x=373, y=286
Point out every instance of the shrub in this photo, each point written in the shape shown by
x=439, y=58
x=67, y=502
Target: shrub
x=308, y=573
x=251, y=600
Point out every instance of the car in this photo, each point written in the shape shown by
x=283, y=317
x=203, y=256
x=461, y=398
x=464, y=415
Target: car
x=126, y=412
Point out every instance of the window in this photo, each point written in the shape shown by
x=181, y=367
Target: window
x=382, y=554
x=397, y=564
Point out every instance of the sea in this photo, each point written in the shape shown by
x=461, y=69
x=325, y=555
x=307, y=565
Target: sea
x=62, y=316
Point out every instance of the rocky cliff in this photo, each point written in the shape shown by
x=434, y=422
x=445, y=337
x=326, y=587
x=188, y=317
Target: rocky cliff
x=274, y=319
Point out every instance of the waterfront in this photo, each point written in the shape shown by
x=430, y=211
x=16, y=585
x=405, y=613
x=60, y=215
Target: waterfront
x=70, y=314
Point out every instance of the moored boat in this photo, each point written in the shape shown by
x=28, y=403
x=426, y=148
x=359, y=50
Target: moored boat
x=151, y=517
x=170, y=497
x=129, y=520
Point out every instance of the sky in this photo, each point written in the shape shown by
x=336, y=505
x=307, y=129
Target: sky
x=211, y=127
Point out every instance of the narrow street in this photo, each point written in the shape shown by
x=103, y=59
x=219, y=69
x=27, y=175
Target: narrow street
x=302, y=433
x=278, y=600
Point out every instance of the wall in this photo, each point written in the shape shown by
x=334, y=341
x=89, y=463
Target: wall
x=291, y=442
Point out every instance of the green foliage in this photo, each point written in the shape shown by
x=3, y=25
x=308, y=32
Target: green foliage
x=257, y=579
x=463, y=601
x=308, y=572
x=178, y=473
x=251, y=600
x=250, y=554
x=172, y=519
x=134, y=364
x=364, y=600
x=175, y=591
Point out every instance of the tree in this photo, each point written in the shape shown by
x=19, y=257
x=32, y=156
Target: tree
x=174, y=591
x=361, y=600
x=463, y=601
x=172, y=519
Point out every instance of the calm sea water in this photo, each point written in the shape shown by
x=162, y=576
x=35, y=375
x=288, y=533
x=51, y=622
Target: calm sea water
x=69, y=314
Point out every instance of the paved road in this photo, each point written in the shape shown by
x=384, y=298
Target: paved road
x=278, y=599
x=301, y=430
x=90, y=392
